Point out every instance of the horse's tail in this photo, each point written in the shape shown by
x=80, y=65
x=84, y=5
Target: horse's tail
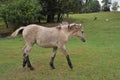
x=14, y=34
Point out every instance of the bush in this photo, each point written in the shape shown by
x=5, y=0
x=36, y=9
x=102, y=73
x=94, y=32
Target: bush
x=21, y=12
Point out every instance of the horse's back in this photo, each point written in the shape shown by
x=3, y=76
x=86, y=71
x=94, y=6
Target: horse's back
x=33, y=33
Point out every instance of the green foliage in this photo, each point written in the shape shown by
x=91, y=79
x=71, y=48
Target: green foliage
x=76, y=6
x=91, y=6
x=21, y=12
x=83, y=6
x=94, y=6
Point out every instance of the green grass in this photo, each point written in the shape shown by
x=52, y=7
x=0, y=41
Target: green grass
x=97, y=59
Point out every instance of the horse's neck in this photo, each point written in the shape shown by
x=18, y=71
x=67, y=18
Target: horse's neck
x=70, y=34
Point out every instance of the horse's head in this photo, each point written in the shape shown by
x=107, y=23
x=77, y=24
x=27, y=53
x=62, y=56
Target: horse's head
x=77, y=30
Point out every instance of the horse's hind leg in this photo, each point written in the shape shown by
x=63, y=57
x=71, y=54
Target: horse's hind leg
x=29, y=63
x=26, y=59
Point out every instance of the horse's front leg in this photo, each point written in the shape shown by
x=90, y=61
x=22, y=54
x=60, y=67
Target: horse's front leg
x=53, y=57
x=63, y=49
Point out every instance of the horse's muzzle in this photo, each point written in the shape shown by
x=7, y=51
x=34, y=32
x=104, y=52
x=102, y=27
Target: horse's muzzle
x=83, y=39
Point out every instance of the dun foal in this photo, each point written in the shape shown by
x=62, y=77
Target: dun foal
x=55, y=37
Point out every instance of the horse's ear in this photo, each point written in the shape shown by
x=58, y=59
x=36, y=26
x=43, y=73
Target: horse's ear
x=58, y=27
x=71, y=26
x=80, y=25
x=68, y=26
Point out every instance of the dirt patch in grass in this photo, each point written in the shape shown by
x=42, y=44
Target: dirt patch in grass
x=3, y=35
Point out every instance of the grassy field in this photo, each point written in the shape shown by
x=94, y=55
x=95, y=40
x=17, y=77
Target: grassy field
x=97, y=59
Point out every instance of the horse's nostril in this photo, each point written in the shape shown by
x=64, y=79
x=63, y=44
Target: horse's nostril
x=83, y=39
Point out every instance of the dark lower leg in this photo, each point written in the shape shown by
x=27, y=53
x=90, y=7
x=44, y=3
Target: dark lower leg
x=53, y=57
x=24, y=60
x=28, y=63
x=51, y=62
x=69, y=61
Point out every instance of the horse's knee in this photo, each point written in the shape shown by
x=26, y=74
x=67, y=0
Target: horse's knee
x=26, y=51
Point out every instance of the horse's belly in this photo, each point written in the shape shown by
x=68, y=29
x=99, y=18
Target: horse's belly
x=47, y=44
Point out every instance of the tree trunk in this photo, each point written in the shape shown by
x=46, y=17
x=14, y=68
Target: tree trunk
x=50, y=18
x=6, y=23
x=59, y=17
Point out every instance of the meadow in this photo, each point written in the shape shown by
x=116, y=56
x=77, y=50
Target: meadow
x=96, y=59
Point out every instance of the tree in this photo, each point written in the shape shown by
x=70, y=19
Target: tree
x=86, y=6
x=20, y=12
x=76, y=6
x=4, y=15
x=106, y=5
x=91, y=6
x=63, y=8
x=51, y=8
x=94, y=6
x=115, y=6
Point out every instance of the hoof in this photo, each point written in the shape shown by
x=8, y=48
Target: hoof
x=31, y=68
x=23, y=65
x=71, y=67
x=53, y=67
